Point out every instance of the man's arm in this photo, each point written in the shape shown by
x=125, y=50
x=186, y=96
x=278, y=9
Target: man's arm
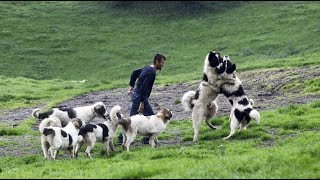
x=134, y=76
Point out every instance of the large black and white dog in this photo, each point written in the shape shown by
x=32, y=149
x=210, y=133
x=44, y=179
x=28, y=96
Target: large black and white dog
x=102, y=132
x=202, y=102
x=242, y=110
x=85, y=113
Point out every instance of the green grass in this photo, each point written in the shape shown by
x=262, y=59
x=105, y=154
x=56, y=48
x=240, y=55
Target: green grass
x=103, y=42
x=290, y=152
x=99, y=41
x=46, y=45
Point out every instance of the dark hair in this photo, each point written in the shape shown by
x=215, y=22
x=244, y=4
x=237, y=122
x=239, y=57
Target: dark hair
x=158, y=56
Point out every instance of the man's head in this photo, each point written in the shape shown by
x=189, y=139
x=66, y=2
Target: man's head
x=158, y=61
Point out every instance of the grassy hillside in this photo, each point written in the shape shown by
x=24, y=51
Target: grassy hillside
x=106, y=41
x=46, y=45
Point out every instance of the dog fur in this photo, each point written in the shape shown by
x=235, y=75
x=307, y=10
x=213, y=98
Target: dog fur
x=202, y=102
x=54, y=139
x=103, y=132
x=242, y=110
x=85, y=113
x=150, y=126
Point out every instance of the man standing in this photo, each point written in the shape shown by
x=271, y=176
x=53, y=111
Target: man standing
x=141, y=93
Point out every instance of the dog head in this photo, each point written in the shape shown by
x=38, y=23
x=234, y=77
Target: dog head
x=227, y=69
x=214, y=59
x=165, y=114
x=77, y=122
x=101, y=110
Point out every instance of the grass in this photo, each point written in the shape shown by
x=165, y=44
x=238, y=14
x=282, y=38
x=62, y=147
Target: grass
x=46, y=45
x=289, y=152
x=116, y=41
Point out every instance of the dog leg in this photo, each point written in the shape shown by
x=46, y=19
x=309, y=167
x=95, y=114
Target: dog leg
x=88, y=150
x=156, y=140
x=107, y=146
x=124, y=135
x=130, y=139
x=111, y=145
x=233, y=126
x=71, y=153
x=197, y=115
x=152, y=141
x=78, y=147
x=45, y=148
x=51, y=151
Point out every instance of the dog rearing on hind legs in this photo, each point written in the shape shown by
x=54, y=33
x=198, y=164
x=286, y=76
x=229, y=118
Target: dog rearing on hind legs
x=202, y=102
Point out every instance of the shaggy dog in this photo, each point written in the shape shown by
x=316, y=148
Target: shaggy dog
x=150, y=126
x=202, y=102
x=55, y=138
x=85, y=113
x=242, y=110
x=103, y=132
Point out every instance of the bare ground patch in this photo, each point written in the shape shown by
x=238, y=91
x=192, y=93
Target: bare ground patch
x=264, y=87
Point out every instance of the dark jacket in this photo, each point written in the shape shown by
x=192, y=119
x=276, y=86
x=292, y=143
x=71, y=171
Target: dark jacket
x=146, y=77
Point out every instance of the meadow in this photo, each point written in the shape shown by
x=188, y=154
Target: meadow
x=45, y=46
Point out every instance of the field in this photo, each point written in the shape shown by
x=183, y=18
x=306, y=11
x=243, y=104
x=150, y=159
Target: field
x=47, y=46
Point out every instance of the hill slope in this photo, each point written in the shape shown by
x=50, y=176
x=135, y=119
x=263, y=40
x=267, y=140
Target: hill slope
x=106, y=40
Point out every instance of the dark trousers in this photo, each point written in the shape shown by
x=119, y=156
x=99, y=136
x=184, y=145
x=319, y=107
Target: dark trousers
x=136, y=99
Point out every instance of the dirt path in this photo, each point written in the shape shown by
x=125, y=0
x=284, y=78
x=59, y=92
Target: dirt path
x=264, y=87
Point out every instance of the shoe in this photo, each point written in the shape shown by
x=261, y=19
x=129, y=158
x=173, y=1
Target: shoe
x=145, y=140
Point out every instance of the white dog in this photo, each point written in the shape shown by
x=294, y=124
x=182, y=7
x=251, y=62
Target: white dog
x=55, y=138
x=202, y=102
x=242, y=110
x=103, y=132
x=150, y=126
x=85, y=113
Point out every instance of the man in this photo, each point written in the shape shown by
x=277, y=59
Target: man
x=141, y=93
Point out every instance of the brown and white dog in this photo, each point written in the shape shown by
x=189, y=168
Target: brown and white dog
x=150, y=126
x=102, y=132
x=202, y=102
x=85, y=113
x=54, y=139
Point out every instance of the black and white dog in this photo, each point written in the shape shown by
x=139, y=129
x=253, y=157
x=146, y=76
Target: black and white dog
x=242, y=110
x=85, y=113
x=54, y=139
x=202, y=102
x=102, y=132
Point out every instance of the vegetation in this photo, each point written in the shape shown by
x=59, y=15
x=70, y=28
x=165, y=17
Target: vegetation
x=285, y=145
x=46, y=46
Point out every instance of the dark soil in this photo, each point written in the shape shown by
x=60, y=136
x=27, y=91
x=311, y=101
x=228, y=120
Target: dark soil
x=264, y=87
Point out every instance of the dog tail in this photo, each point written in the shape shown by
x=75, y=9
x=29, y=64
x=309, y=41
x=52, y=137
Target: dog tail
x=255, y=115
x=186, y=100
x=115, y=113
x=44, y=123
x=35, y=113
